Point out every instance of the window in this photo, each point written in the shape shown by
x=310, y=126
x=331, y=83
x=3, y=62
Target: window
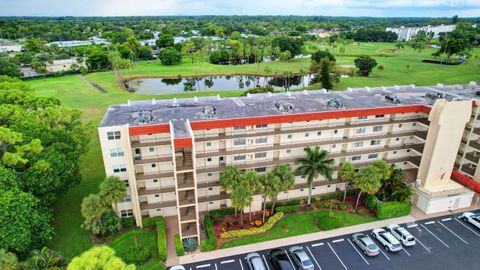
x=154, y=165
x=210, y=188
x=261, y=155
x=397, y=139
x=261, y=140
x=113, y=135
x=119, y=168
x=319, y=133
x=239, y=157
x=372, y=156
x=375, y=142
x=358, y=144
x=127, y=213
x=137, y=151
x=116, y=152
x=379, y=116
x=210, y=174
x=127, y=199
x=152, y=149
x=239, y=128
x=239, y=142
x=377, y=128
x=399, y=125
x=394, y=152
x=157, y=195
x=209, y=159
x=360, y=130
x=408, y=151
x=288, y=151
x=355, y=158
x=334, y=146
x=307, y=134
x=362, y=117
x=155, y=180
x=126, y=183
x=208, y=144
x=289, y=136
x=261, y=126
x=261, y=169
x=335, y=131
x=414, y=124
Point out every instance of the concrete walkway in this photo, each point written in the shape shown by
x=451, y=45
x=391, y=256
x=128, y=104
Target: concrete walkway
x=415, y=215
x=171, y=223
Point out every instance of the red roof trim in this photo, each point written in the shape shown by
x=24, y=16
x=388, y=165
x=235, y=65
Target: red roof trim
x=466, y=181
x=183, y=143
x=224, y=123
x=143, y=130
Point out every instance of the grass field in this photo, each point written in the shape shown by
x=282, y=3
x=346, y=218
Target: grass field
x=302, y=223
x=76, y=93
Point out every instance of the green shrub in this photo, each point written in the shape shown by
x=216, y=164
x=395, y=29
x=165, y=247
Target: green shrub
x=291, y=202
x=287, y=208
x=137, y=255
x=246, y=232
x=342, y=206
x=362, y=211
x=223, y=211
x=161, y=239
x=326, y=205
x=211, y=242
x=393, y=209
x=371, y=202
x=337, y=195
x=179, y=245
x=127, y=223
x=151, y=222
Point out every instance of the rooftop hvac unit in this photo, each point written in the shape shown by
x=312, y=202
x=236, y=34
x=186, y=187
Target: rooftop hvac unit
x=435, y=96
x=393, y=99
x=284, y=107
x=335, y=103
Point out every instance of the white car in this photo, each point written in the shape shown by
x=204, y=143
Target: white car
x=402, y=235
x=471, y=218
x=389, y=242
x=177, y=267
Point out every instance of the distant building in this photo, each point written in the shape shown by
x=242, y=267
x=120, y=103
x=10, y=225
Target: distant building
x=62, y=65
x=406, y=33
x=323, y=33
x=7, y=46
x=76, y=43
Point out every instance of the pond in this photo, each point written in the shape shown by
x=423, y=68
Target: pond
x=155, y=86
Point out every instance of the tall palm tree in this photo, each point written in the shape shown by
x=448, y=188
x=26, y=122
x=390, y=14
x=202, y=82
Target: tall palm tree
x=270, y=183
x=347, y=174
x=315, y=164
x=241, y=197
x=383, y=168
x=252, y=182
x=47, y=259
x=287, y=180
x=112, y=191
x=229, y=178
x=368, y=180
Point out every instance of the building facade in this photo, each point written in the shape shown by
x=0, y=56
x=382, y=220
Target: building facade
x=406, y=33
x=170, y=152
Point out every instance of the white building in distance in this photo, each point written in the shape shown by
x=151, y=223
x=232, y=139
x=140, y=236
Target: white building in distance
x=75, y=43
x=406, y=33
x=7, y=46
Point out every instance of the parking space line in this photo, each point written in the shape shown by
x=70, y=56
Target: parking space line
x=467, y=227
x=412, y=226
x=430, y=222
x=337, y=256
x=202, y=266
x=216, y=268
x=434, y=235
x=359, y=254
x=447, y=219
x=288, y=256
x=314, y=259
x=268, y=268
x=317, y=244
x=406, y=252
x=425, y=247
x=337, y=240
x=453, y=233
x=229, y=261
x=241, y=264
x=384, y=253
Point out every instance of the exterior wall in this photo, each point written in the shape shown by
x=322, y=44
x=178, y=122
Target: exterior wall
x=442, y=204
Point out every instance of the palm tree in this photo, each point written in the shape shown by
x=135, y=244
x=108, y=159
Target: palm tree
x=112, y=191
x=287, y=180
x=383, y=168
x=8, y=260
x=270, y=183
x=315, y=164
x=241, y=197
x=47, y=259
x=347, y=174
x=368, y=181
x=230, y=177
x=252, y=182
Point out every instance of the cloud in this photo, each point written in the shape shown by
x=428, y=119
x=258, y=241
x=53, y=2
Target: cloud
x=244, y=7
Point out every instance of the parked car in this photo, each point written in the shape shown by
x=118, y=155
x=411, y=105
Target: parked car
x=366, y=244
x=177, y=267
x=402, y=235
x=279, y=259
x=471, y=218
x=255, y=262
x=300, y=259
x=387, y=240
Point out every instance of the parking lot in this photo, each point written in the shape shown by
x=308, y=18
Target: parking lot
x=442, y=243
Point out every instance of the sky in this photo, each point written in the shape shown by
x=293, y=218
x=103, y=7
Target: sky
x=375, y=8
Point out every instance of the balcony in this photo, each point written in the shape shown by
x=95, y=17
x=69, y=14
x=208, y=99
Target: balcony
x=141, y=160
x=149, y=143
x=146, y=192
x=143, y=176
x=151, y=206
x=184, y=161
x=186, y=197
x=188, y=214
x=185, y=180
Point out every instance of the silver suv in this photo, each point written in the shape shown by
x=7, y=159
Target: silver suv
x=300, y=258
x=366, y=244
x=402, y=235
x=255, y=262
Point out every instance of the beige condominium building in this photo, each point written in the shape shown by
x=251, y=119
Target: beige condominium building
x=170, y=152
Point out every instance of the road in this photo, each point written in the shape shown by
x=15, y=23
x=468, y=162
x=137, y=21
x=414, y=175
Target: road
x=442, y=243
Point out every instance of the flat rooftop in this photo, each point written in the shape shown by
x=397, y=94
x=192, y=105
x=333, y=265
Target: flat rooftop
x=151, y=112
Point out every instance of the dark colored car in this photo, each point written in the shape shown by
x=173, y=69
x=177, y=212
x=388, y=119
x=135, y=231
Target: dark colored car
x=279, y=259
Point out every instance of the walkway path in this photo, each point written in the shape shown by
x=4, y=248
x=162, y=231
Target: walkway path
x=92, y=83
x=171, y=223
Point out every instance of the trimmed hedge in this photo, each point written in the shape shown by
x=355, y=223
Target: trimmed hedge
x=393, y=209
x=291, y=202
x=151, y=222
x=179, y=245
x=211, y=242
x=127, y=223
x=223, y=212
x=246, y=232
x=337, y=195
x=161, y=238
x=371, y=202
x=287, y=208
x=137, y=255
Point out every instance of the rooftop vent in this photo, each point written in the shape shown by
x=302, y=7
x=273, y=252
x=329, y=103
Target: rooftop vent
x=284, y=107
x=210, y=112
x=145, y=117
x=335, y=103
x=435, y=96
x=393, y=99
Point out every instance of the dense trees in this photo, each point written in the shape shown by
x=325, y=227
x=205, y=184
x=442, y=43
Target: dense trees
x=170, y=56
x=9, y=67
x=459, y=41
x=165, y=40
x=365, y=65
x=294, y=46
x=40, y=145
x=99, y=258
x=320, y=54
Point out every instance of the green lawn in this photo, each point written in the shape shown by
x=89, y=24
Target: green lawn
x=145, y=238
x=302, y=223
x=74, y=92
